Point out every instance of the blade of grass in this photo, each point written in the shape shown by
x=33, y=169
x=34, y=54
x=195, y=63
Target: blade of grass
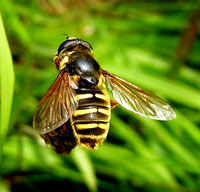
x=84, y=164
x=177, y=148
x=130, y=136
x=7, y=84
x=13, y=21
x=4, y=187
x=188, y=126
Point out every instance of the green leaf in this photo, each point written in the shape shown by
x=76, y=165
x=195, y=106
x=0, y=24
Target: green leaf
x=7, y=84
x=84, y=164
x=4, y=187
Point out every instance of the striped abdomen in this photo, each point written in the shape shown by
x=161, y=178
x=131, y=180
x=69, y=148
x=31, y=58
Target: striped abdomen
x=91, y=119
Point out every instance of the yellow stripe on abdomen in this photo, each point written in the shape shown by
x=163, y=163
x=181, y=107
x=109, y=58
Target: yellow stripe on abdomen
x=84, y=96
x=103, y=125
x=86, y=126
x=91, y=119
x=91, y=126
x=104, y=111
x=101, y=96
x=84, y=111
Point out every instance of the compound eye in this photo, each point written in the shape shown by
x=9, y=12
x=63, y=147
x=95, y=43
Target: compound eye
x=66, y=45
x=69, y=45
x=86, y=44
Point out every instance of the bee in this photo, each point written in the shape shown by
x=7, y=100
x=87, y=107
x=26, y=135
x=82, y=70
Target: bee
x=76, y=109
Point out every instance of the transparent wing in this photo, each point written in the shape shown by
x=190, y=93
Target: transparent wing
x=57, y=105
x=137, y=100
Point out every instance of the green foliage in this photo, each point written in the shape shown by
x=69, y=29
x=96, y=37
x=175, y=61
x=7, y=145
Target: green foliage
x=7, y=85
x=139, y=42
x=85, y=166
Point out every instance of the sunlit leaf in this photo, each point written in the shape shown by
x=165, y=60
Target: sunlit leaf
x=7, y=83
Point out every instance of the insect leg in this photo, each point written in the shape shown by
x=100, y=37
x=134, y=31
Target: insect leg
x=113, y=104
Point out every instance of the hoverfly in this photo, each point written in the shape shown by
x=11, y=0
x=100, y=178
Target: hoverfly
x=76, y=109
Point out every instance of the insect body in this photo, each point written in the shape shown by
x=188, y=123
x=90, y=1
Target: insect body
x=76, y=109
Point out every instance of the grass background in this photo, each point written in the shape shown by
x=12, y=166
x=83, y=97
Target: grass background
x=153, y=44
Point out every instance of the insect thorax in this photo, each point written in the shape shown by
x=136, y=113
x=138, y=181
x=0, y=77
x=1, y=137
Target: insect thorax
x=85, y=70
